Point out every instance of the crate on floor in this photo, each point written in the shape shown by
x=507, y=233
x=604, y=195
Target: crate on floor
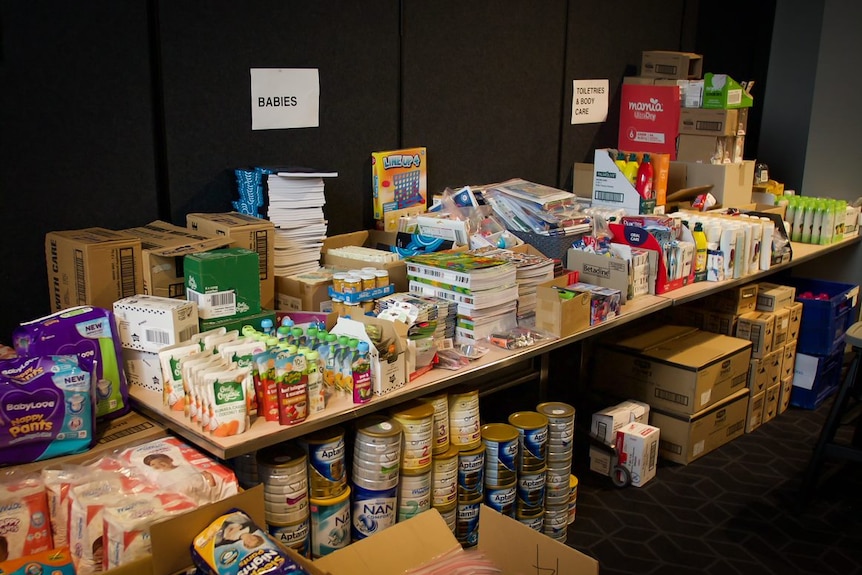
x=815, y=378
x=828, y=309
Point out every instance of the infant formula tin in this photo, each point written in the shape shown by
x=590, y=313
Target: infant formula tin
x=533, y=430
x=444, y=478
x=440, y=402
x=561, y=422
x=377, y=452
x=414, y=495
x=464, y=420
x=531, y=491
x=417, y=421
x=534, y=518
x=281, y=464
x=467, y=521
x=502, y=498
x=373, y=511
x=471, y=471
x=245, y=468
x=449, y=514
x=294, y=535
x=327, y=474
x=556, y=523
x=502, y=446
x=573, y=499
x=330, y=523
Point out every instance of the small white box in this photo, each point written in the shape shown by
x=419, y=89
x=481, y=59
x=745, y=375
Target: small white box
x=606, y=422
x=149, y=323
x=637, y=450
x=143, y=370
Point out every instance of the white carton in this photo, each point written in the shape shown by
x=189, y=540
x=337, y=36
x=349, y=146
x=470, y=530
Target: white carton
x=149, y=323
x=143, y=370
x=613, y=190
x=604, y=426
x=637, y=450
x=387, y=375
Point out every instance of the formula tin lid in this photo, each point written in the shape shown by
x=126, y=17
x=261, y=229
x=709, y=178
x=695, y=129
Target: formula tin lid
x=555, y=409
x=414, y=410
x=378, y=426
x=327, y=435
x=499, y=432
x=528, y=420
x=282, y=455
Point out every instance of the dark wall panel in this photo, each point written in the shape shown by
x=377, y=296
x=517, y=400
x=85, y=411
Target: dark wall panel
x=76, y=144
x=208, y=48
x=605, y=40
x=482, y=89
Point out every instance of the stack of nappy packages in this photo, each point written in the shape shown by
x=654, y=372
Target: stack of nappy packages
x=98, y=514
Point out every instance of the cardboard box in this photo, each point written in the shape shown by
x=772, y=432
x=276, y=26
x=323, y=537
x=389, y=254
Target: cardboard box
x=149, y=323
x=773, y=362
x=735, y=300
x=557, y=316
x=718, y=322
x=666, y=276
x=784, y=392
x=691, y=91
x=754, y=417
x=92, y=266
x=611, y=272
x=143, y=370
x=511, y=545
x=731, y=183
x=704, y=122
x=772, y=297
x=607, y=421
x=637, y=450
x=388, y=375
x=759, y=328
x=722, y=91
x=788, y=360
x=164, y=246
x=371, y=239
x=120, y=433
x=687, y=438
x=244, y=231
x=612, y=189
x=668, y=64
x=770, y=404
x=239, y=321
x=758, y=375
x=794, y=320
x=303, y=292
x=223, y=282
x=782, y=322
x=675, y=368
x=649, y=119
x=710, y=149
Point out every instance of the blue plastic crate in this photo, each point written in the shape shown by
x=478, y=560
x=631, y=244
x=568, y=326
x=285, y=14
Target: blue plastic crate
x=824, y=321
x=815, y=377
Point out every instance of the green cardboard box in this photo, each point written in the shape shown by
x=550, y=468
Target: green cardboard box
x=223, y=282
x=722, y=91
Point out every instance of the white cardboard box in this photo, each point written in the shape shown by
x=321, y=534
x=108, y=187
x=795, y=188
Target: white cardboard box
x=637, y=450
x=149, y=323
x=387, y=376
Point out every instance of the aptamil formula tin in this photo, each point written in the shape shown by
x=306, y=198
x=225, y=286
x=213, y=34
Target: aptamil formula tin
x=534, y=518
x=417, y=421
x=440, y=402
x=464, y=429
x=471, y=471
x=293, y=535
x=377, y=452
x=373, y=511
x=502, y=498
x=533, y=429
x=502, y=445
x=327, y=474
x=414, y=495
x=467, y=521
x=573, y=500
x=330, y=523
x=531, y=491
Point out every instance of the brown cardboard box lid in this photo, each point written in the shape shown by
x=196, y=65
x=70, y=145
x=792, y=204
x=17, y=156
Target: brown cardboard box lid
x=686, y=347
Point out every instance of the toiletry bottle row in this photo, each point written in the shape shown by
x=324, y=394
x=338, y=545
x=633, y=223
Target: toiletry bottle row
x=815, y=220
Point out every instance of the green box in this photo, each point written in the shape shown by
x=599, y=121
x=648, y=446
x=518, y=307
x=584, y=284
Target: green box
x=223, y=282
x=720, y=91
x=237, y=322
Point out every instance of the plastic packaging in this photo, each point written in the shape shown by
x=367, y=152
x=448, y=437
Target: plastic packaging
x=644, y=179
x=700, y=242
x=631, y=169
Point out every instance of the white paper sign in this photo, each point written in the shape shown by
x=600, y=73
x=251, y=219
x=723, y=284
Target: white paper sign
x=589, y=101
x=285, y=98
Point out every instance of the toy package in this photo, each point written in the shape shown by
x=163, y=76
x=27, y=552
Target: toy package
x=90, y=333
x=399, y=180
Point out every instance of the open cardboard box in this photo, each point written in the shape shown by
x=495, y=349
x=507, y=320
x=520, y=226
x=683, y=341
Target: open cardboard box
x=370, y=239
x=560, y=317
x=387, y=375
x=513, y=547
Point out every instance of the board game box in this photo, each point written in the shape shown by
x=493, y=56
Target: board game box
x=400, y=184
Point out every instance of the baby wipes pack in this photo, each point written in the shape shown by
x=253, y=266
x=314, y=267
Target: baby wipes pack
x=46, y=408
x=91, y=334
x=24, y=523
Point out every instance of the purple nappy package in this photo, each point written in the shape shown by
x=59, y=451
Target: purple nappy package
x=91, y=334
x=46, y=408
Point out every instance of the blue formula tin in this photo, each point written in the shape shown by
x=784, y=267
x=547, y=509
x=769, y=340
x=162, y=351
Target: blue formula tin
x=373, y=511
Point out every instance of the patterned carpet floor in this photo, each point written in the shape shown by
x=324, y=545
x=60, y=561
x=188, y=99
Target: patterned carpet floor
x=736, y=510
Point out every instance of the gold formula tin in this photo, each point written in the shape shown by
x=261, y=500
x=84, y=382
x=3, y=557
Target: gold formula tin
x=533, y=430
x=327, y=473
x=440, y=402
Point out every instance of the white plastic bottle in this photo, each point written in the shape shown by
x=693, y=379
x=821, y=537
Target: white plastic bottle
x=766, y=243
x=756, y=240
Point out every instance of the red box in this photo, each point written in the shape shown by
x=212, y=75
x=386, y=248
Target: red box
x=649, y=118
